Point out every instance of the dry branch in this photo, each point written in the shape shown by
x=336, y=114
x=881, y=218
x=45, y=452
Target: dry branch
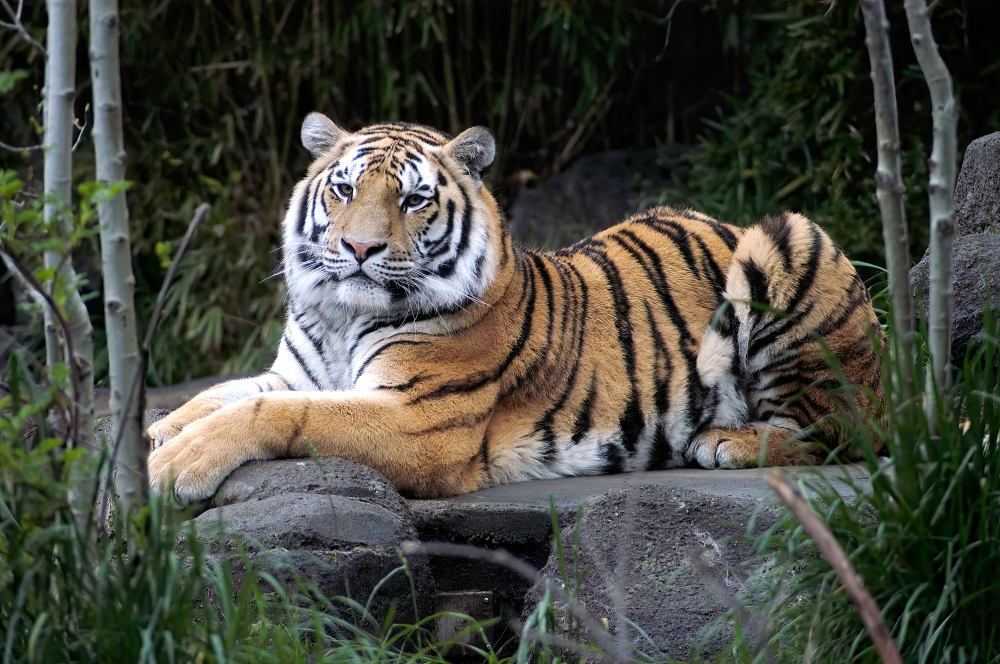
x=889, y=181
x=828, y=546
x=18, y=26
x=940, y=189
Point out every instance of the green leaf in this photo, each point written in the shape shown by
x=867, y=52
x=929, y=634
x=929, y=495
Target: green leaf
x=8, y=79
x=164, y=250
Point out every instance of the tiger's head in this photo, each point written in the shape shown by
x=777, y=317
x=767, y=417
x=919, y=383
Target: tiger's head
x=392, y=220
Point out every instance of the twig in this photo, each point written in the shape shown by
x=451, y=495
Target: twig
x=828, y=546
x=74, y=370
x=18, y=27
x=82, y=128
x=138, y=387
x=526, y=571
x=15, y=148
x=889, y=181
x=669, y=20
x=218, y=66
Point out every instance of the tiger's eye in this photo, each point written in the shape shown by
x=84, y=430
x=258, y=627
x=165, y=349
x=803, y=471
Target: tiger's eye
x=345, y=190
x=413, y=200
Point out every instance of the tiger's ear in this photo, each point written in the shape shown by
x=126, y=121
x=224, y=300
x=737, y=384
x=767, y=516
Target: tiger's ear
x=474, y=149
x=320, y=134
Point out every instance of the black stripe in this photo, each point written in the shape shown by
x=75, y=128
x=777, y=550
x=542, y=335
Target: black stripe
x=448, y=267
x=631, y=421
x=613, y=462
x=677, y=234
x=481, y=378
x=577, y=333
x=303, y=212
x=317, y=342
x=543, y=271
x=298, y=358
x=695, y=391
x=381, y=349
x=583, y=416
x=439, y=246
x=779, y=231
x=661, y=454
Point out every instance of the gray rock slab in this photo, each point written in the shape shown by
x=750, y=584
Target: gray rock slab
x=333, y=522
x=638, y=534
x=977, y=191
x=306, y=521
x=257, y=480
x=977, y=280
x=513, y=514
x=595, y=192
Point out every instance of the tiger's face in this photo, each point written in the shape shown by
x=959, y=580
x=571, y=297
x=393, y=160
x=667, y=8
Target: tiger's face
x=391, y=220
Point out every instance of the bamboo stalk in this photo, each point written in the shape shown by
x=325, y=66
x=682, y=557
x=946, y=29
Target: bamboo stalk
x=828, y=546
x=60, y=92
x=889, y=182
x=116, y=254
x=940, y=189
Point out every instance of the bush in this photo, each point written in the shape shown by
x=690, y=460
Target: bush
x=802, y=136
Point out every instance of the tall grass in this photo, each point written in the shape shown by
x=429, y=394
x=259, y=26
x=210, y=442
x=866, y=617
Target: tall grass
x=924, y=536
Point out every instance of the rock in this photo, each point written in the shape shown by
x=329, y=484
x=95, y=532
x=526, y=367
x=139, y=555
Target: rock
x=333, y=522
x=638, y=531
x=595, y=192
x=977, y=277
x=977, y=192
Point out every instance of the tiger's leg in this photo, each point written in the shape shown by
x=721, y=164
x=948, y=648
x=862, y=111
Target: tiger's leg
x=416, y=449
x=212, y=400
x=741, y=447
x=794, y=305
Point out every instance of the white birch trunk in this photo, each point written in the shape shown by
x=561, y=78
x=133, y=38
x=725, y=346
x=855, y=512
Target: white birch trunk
x=941, y=188
x=889, y=182
x=60, y=93
x=116, y=255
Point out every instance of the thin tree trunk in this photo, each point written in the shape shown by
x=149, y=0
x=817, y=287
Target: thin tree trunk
x=116, y=255
x=889, y=183
x=941, y=188
x=60, y=92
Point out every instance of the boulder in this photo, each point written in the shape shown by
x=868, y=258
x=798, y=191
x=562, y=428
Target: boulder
x=595, y=192
x=977, y=280
x=638, y=533
x=977, y=192
x=333, y=522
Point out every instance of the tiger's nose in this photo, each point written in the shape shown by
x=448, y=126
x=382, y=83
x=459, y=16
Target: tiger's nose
x=363, y=250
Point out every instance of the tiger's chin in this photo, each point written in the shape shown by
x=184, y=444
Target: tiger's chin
x=359, y=293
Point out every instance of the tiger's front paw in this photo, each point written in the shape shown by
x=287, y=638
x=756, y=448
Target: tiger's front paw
x=719, y=448
x=171, y=425
x=194, y=462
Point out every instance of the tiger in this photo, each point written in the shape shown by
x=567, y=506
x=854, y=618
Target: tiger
x=422, y=341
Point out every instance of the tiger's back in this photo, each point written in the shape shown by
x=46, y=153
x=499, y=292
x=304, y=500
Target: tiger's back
x=422, y=342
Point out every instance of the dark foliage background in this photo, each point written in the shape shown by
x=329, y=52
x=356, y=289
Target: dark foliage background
x=773, y=94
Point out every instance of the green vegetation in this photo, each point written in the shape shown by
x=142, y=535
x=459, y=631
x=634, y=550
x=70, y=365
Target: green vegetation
x=925, y=537
x=802, y=134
